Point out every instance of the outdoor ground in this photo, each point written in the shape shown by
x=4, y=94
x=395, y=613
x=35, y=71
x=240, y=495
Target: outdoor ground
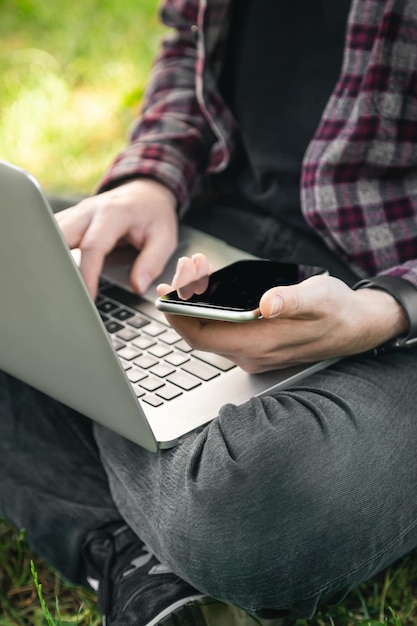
x=72, y=76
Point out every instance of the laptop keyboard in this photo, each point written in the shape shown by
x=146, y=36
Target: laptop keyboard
x=160, y=365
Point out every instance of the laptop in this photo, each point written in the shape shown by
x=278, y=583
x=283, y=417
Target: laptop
x=115, y=360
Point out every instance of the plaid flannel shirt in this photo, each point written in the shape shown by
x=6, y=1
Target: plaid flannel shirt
x=359, y=175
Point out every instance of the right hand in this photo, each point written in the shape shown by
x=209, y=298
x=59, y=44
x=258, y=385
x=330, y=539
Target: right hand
x=319, y=318
x=140, y=212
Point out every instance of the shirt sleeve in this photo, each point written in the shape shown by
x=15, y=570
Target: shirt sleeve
x=172, y=139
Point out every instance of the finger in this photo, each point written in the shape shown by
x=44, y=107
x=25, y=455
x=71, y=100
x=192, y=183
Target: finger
x=191, y=275
x=155, y=252
x=221, y=337
x=184, y=273
x=203, y=269
x=163, y=288
x=201, y=285
x=91, y=266
x=73, y=223
x=201, y=264
x=101, y=236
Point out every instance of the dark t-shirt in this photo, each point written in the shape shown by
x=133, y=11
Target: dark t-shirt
x=282, y=61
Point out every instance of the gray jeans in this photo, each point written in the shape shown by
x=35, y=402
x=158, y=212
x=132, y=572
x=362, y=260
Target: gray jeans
x=283, y=503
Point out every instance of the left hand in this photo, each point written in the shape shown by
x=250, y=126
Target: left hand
x=319, y=318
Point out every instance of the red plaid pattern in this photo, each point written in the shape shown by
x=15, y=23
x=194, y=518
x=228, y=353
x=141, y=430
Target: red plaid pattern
x=184, y=129
x=359, y=182
x=359, y=178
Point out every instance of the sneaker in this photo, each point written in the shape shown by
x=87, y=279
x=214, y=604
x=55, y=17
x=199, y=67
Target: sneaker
x=133, y=587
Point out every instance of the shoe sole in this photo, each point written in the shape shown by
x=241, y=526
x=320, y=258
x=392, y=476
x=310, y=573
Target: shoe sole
x=175, y=610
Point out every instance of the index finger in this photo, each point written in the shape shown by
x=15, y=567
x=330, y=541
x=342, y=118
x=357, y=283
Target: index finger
x=91, y=265
x=220, y=337
x=73, y=224
x=101, y=236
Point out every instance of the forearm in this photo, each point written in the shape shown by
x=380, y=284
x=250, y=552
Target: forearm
x=178, y=135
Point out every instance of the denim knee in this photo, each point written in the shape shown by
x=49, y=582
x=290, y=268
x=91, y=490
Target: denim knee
x=251, y=526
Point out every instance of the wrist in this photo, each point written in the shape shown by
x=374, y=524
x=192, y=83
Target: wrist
x=403, y=315
x=153, y=185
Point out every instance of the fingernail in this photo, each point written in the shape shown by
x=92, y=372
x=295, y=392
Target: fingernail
x=276, y=306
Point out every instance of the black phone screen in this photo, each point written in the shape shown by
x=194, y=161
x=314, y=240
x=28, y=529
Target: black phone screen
x=241, y=285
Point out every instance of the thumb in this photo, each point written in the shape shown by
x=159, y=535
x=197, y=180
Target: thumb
x=282, y=302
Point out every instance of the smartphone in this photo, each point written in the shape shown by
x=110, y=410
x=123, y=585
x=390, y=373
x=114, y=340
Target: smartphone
x=233, y=292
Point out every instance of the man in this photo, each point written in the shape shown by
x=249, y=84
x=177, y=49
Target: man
x=290, y=500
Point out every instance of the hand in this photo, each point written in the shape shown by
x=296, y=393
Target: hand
x=141, y=212
x=319, y=318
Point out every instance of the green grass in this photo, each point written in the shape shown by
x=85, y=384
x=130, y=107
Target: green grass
x=71, y=79
x=72, y=76
x=388, y=599
x=19, y=601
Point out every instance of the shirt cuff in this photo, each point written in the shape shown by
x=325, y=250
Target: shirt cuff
x=406, y=295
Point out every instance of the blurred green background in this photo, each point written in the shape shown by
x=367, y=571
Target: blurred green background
x=72, y=75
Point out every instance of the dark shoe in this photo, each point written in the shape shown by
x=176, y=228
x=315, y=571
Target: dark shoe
x=133, y=588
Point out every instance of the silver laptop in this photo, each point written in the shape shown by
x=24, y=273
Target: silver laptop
x=116, y=361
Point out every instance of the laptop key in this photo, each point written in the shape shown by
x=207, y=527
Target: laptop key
x=143, y=342
x=127, y=334
x=146, y=361
x=153, y=401
x=170, y=337
x=184, y=380
x=106, y=306
x=138, y=321
x=168, y=392
x=151, y=383
x=135, y=375
x=159, y=351
x=201, y=370
x=123, y=314
x=154, y=329
x=129, y=353
x=176, y=358
x=113, y=327
x=162, y=370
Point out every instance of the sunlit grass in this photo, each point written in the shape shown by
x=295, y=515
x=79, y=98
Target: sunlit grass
x=71, y=80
